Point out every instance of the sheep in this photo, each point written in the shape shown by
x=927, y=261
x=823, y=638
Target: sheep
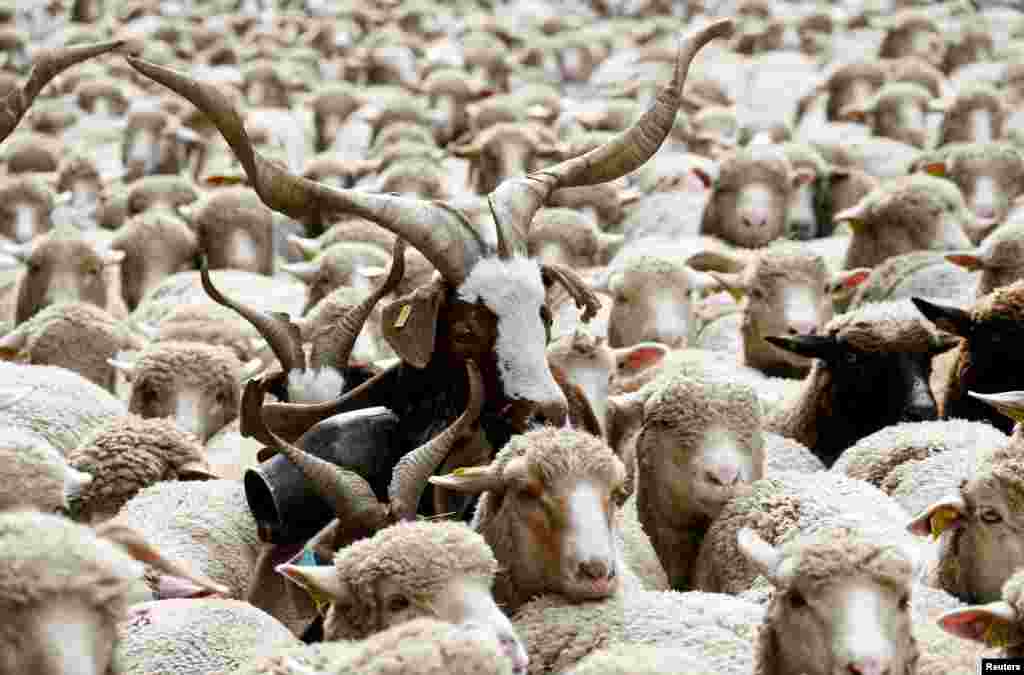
x=895, y=111
x=38, y=477
x=998, y=259
x=65, y=588
x=31, y=152
x=473, y=265
x=504, y=150
x=995, y=625
x=342, y=264
x=987, y=361
x=48, y=65
x=78, y=175
x=128, y=454
x=155, y=245
x=921, y=273
x=160, y=191
x=565, y=237
x=685, y=473
x=850, y=84
x=976, y=114
x=74, y=335
x=407, y=571
x=652, y=291
x=27, y=203
x=751, y=196
x=911, y=33
x=968, y=521
x=917, y=463
x=542, y=469
x=235, y=230
x=790, y=504
x=54, y=404
x=195, y=635
x=147, y=146
x=917, y=212
x=196, y=384
x=884, y=347
x=988, y=174
x=62, y=266
x=786, y=290
x=420, y=646
x=719, y=628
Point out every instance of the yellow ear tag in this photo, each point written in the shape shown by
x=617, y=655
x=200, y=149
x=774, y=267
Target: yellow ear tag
x=736, y=294
x=941, y=519
x=469, y=471
x=998, y=634
x=937, y=169
x=855, y=224
x=320, y=600
x=403, y=316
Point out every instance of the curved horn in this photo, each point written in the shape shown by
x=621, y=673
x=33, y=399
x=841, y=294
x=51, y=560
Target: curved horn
x=441, y=233
x=276, y=328
x=345, y=491
x=48, y=65
x=581, y=293
x=516, y=200
x=412, y=471
x=251, y=423
x=336, y=350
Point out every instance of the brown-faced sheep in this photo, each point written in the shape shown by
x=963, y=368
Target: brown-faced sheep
x=352, y=264
x=155, y=245
x=912, y=33
x=235, y=230
x=1000, y=258
x=751, y=196
x=25, y=206
x=906, y=214
x=566, y=237
x=975, y=115
x=896, y=111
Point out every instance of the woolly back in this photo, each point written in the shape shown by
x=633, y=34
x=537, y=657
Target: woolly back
x=891, y=327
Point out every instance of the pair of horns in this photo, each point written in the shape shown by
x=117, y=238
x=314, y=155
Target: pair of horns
x=350, y=495
x=283, y=336
x=444, y=236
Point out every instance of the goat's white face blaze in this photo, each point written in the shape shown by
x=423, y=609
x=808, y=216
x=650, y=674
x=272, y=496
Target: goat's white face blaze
x=514, y=291
x=469, y=601
x=589, y=559
x=981, y=126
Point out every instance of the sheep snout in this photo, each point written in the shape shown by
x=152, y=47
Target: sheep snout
x=590, y=567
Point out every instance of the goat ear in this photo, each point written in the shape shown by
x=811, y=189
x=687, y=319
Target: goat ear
x=949, y=319
x=994, y=624
x=470, y=479
x=945, y=514
x=410, y=323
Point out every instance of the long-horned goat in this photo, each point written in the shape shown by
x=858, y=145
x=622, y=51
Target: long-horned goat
x=488, y=304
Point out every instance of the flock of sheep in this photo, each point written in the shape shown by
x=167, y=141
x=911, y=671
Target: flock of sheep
x=605, y=337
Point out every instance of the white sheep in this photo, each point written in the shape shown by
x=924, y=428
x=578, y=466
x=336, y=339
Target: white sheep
x=195, y=635
x=54, y=404
x=36, y=475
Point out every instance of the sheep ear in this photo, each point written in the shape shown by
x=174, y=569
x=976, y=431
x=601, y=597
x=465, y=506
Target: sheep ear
x=470, y=479
x=410, y=323
x=640, y=356
x=765, y=557
x=802, y=177
x=853, y=216
x=125, y=362
x=995, y=624
x=846, y=282
x=250, y=369
x=949, y=319
x=730, y=282
x=945, y=514
x=371, y=271
x=716, y=261
x=937, y=169
x=320, y=581
x=704, y=176
x=969, y=260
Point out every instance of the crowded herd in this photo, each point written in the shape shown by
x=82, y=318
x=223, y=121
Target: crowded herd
x=429, y=337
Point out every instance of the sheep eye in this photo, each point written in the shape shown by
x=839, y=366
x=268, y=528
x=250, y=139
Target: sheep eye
x=905, y=602
x=757, y=294
x=796, y=600
x=398, y=603
x=851, y=358
x=991, y=516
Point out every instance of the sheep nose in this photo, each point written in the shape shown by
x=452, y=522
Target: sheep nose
x=755, y=219
x=723, y=474
x=867, y=667
x=595, y=570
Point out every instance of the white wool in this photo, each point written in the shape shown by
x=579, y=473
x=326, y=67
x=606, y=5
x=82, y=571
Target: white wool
x=315, y=386
x=513, y=290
